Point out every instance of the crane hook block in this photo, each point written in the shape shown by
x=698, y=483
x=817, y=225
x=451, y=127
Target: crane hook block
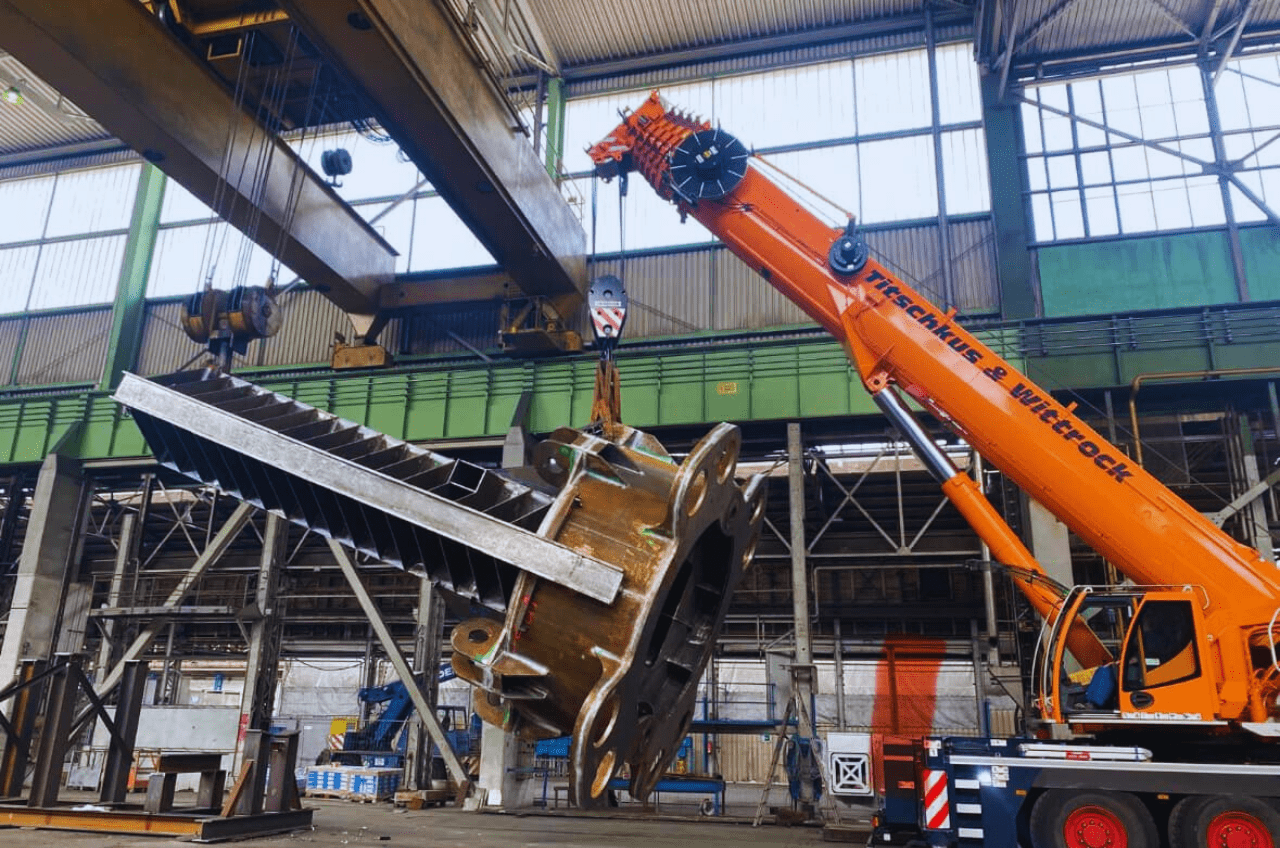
x=607, y=300
x=708, y=164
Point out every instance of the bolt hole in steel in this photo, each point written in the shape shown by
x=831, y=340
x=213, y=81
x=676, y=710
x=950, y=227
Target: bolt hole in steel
x=607, y=718
x=697, y=492
x=604, y=771
x=478, y=636
x=725, y=463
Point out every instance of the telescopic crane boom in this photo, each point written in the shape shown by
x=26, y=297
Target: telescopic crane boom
x=898, y=340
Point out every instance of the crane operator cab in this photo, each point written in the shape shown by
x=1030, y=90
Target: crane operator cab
x=1146, y=666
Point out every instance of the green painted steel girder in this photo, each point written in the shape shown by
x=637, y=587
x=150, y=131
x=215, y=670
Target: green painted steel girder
x=1004, y=143
x=130, y=305
x=696, y=384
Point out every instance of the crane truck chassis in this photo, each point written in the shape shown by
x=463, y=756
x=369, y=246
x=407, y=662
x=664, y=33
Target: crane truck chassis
x=1156, y=707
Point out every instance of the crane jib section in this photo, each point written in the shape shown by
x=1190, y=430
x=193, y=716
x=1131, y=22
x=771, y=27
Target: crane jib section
x=896, y=337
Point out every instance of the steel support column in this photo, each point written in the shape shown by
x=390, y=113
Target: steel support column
x=117, y=61
x=1008, y=212
x=115, y=774
x=426, y=710
x=23, y=717
x=1223, y=167
x=434, y=99
x=948, y=292
x=211, y=554
x=554, y=141
x=51, y=750
x=131, y=294
x=48, y=550
x=126, y=563
x=261, y=670
x=426, y=663
x=800, y=578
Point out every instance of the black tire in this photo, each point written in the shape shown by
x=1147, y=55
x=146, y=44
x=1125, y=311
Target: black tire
x=1063, y=818
x=1212, y=821
x=1180, y=818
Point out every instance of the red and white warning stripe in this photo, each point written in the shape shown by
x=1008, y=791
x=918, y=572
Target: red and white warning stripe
x=336, y=740
x=937, y=812
x=608, y=320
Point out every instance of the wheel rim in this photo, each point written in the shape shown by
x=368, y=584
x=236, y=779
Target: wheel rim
x=1094, y=827
x=1238, y=829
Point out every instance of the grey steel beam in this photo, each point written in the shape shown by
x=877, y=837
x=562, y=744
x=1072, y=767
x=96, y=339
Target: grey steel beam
x=426, y=710
x=264, y=637
x=802, y=678
x=413, y=293
x=1236, y=31
x=117, y=61
x=1246, y=497
x=477, y=530
x=432, y=97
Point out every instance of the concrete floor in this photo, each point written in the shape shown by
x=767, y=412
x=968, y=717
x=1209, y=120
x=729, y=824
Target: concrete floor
x=341, y=823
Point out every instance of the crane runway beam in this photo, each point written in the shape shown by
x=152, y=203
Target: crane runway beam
x=435, y=100
x=116, y=61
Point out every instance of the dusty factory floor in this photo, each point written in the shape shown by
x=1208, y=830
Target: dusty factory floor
x=340, y=823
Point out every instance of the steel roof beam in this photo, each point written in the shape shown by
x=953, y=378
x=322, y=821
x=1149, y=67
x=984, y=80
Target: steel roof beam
x=115, y=60
x=430, y=93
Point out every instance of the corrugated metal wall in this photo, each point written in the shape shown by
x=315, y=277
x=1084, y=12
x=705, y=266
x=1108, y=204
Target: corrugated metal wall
x=708, y=288
x=10, y=334
x=68, y=347
x=672, y=293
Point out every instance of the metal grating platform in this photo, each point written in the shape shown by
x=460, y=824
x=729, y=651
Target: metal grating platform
x=470, y=529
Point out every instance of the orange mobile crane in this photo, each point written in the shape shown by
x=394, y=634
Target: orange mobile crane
x=1178, y=727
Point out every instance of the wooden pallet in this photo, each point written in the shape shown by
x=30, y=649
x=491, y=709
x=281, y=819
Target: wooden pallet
x=335, y=794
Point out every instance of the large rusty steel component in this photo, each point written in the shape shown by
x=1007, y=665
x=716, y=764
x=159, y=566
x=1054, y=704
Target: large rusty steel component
x=622, y=678
x=605, y=568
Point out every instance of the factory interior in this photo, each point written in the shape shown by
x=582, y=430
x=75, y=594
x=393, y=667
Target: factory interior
x=469, y=422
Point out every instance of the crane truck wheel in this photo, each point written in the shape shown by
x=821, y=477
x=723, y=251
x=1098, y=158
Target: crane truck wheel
x=1233, y=821
x=1063, y=818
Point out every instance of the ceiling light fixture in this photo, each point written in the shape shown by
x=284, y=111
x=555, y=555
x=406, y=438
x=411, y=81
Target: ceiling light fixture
x=13, y=95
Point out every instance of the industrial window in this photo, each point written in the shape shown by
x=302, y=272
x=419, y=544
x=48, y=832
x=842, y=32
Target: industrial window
x=860, y=131
x=425, y=232
x=62, y=237
x=1134, y=152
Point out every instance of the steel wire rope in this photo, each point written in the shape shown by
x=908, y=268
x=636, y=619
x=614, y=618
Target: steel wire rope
x=271, y=118
x=208, y=254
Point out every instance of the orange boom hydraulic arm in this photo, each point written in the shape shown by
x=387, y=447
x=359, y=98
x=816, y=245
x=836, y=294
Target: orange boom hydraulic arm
x=895, y=337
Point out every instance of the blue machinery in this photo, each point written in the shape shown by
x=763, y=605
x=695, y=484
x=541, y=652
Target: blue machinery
x=376, y=742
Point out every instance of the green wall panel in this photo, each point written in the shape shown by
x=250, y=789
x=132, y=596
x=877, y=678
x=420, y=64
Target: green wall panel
x=1127, y=275
x=1261, y=249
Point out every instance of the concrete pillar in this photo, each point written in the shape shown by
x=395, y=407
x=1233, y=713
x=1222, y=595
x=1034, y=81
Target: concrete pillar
x=48, y=552
x=1050, y=541
x=499, y=760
